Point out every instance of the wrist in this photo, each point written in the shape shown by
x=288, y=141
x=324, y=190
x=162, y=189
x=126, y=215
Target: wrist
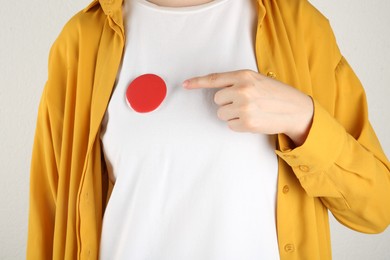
x=300, y=128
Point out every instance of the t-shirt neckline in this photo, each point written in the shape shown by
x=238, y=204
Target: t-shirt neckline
x=180, y=10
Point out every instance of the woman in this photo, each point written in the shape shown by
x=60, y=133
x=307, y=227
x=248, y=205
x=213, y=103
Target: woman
x=194, y=171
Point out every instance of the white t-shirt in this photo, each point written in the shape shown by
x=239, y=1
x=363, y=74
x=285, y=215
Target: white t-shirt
x=186, y=186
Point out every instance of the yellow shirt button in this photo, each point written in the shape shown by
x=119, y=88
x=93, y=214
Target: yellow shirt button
x=304, y=168
x=286, y=189
x=271, y=74
x=289, y=248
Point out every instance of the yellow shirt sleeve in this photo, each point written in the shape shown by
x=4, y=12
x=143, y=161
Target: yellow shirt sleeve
x=342, y=162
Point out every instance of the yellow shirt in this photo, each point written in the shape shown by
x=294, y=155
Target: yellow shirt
x=341, y=166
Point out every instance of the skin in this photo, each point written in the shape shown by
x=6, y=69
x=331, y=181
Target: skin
x=179, y=3
x=251, y=102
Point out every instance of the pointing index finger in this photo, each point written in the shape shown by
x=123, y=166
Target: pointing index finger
x=214, y=80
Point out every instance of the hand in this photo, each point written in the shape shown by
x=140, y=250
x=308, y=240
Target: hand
x=251, y=102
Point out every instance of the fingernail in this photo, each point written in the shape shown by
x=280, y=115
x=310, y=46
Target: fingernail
x=186, y=83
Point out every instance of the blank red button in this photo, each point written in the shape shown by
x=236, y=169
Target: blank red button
x=146, y=93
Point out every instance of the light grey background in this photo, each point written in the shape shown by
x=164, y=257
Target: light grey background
x=28, y=28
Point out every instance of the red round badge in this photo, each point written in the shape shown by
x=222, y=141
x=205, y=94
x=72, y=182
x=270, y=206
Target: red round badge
x=146, y=93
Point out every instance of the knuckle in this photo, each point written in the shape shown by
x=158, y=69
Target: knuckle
x=248, y=124
x=244, y=91
x=246, y=74
x=246, y=110
x=212, y=78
